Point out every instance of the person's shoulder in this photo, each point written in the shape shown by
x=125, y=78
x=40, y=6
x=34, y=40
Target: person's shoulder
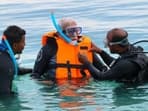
x=127, y=62
x=49, y=34
x=85, y=38
x=51, y=44
x=49, y=38
x=3, y=54
x=4, y=58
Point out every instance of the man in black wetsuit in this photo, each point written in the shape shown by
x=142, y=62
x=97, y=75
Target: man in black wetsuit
x=16, y=40
x=131, y=65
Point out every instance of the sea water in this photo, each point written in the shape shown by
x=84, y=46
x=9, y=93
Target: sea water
x=96, y=17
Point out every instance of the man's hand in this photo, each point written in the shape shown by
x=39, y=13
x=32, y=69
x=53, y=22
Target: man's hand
x=82, y=58
x=95, y=49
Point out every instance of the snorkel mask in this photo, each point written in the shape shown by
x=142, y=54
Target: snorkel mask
x=122, y=42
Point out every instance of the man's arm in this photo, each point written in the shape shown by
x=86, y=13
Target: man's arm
x=122, y=70
x=106, y=57
x=44, y=55
x=98, y=63
x=23, y=71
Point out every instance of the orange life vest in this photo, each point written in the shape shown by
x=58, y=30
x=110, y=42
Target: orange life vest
x=68, y=65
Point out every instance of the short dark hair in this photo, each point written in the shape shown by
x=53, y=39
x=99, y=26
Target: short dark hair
x=118, y=34
x=14, y=34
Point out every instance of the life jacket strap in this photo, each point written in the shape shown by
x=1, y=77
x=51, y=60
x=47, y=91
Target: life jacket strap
x=69, y=66
x=68, y=69
x=76, y=66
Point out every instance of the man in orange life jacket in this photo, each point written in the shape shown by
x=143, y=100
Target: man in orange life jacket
x=58, y=59
x=130, y=67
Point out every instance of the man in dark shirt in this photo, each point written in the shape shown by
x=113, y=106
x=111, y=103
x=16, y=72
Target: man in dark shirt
x=13, y=42
x=130, y=66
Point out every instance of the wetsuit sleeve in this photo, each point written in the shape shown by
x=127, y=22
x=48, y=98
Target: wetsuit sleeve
x=98, y=63
x=23, y=71
x=106, y=57
x=123, y=69
x=44, y=55
x=6, y=73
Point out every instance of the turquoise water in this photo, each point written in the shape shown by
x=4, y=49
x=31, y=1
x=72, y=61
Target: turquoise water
x=96, y=17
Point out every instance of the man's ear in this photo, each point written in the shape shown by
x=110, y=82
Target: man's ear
x=14, y=46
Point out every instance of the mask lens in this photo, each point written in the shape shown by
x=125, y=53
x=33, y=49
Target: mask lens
x=122, y=42
x=72, y=31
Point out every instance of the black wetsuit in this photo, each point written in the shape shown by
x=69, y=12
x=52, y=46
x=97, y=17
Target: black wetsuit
x=124, y=69
x=7, y=72
x=47, y=55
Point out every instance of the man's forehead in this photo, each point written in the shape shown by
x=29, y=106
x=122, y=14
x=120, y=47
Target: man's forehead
x=116, y=33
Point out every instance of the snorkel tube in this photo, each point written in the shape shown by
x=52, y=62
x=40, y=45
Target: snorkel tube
x=140, y=41
x=11, y=55
x=59, y=30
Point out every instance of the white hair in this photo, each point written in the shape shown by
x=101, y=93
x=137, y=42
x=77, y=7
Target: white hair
x=66, y=22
